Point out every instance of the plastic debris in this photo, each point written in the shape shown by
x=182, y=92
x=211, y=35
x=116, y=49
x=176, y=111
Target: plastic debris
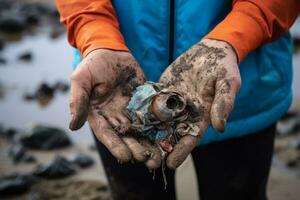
x=160, y=114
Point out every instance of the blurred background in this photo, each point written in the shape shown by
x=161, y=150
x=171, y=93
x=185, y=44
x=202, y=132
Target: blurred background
x=35, y=67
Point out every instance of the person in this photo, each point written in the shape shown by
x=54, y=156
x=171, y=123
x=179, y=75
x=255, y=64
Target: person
x=231, y=58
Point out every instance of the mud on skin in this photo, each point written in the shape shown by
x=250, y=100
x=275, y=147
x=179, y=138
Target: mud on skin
x=102, y=85
x=202, y=72
x=126, y=82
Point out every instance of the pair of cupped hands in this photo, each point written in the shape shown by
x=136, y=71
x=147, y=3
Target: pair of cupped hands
x=102, y=84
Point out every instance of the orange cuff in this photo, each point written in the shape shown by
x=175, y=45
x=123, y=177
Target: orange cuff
x=94, y=35
x=241, y=30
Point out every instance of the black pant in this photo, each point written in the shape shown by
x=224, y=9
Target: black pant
x=235, y=169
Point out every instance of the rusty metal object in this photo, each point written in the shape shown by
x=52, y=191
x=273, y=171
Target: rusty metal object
x=160, y=114
x=167, y=105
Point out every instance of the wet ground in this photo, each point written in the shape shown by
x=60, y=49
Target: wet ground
x=51, y=61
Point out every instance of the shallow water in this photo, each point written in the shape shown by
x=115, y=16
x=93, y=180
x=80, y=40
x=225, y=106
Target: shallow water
x=52, y=61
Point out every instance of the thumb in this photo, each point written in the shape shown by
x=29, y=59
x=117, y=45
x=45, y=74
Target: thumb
x=79, y=98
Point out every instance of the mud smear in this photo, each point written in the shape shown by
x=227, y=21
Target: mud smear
x=186, y=62
x=225, y=83
x=221, y=112
x=195, y=113
x=127, y=80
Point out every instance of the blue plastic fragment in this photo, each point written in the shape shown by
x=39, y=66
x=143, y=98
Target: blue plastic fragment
x=138, y=108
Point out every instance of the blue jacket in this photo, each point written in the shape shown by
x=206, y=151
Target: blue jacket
x=157, y=33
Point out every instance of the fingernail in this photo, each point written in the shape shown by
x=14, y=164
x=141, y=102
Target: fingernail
x=223, y=123
x=72, y=123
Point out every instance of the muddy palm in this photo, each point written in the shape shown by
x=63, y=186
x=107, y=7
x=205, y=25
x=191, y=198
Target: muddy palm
x=208, y=76
x=101, y=87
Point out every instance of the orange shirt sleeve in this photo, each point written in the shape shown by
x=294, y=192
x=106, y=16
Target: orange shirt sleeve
x=252, y=23
x=91, y=24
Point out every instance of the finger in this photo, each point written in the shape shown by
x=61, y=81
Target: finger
x=79, y=98
x=109, y=138
x=122, y=118
x=124, y=123
x=182, y=150
x=223, y=103
x=154, y=160
x=115, y=124
x=139, y=152
x=119, y=123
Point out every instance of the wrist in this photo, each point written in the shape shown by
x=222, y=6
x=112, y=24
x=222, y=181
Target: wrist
x=222, y=44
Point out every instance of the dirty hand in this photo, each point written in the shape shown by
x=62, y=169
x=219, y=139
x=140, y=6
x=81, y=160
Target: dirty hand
x=101, y=87
x=208, y=76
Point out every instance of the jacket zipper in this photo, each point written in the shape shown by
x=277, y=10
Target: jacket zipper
x=171, y=32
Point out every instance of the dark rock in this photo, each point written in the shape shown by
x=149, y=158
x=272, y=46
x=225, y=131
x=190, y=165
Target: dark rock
x=29, y=97
x=45, y=90
x=59, y=167
x=11, y=24
x=26, y=56
x=19, y=154
x=45, y=138
x=289, y=126
x=83, y=160
x=3, y=61
x=292, y=163
x=29, y=159
x=2, y=44
x=289, y=115
x=296, y=126
x=32, y=19
x=15, y=184
x=8, y=133
x=16, y=152
x=43, y=95
x=298, y=145
x=33, y=12
x=5, y=5
x=61, y=86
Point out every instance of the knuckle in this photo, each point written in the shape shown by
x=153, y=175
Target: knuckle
x=75, y=77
